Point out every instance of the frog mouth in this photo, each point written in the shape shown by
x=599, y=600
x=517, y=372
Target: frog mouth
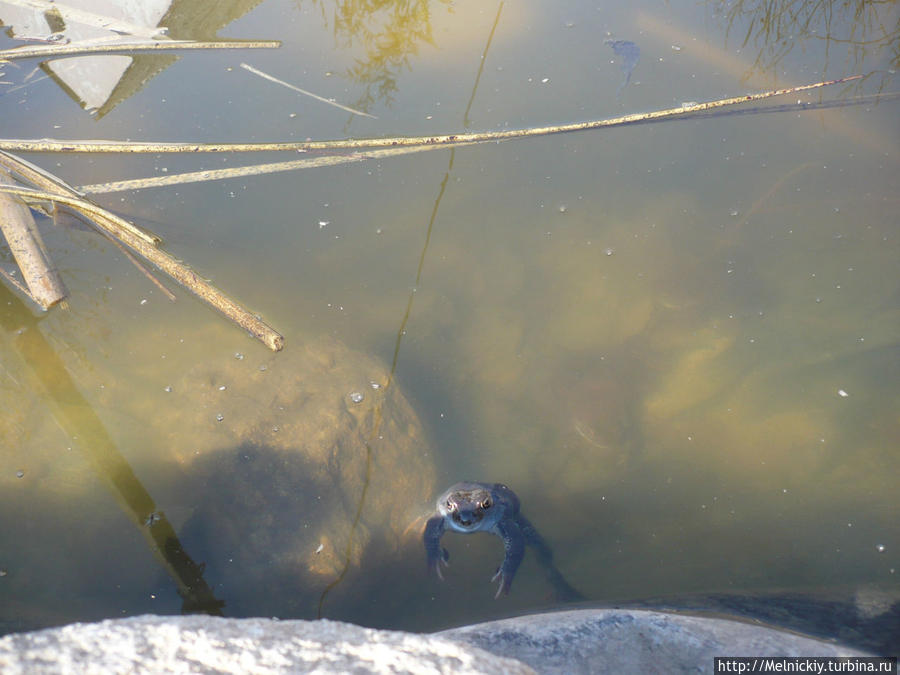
x=468, y=521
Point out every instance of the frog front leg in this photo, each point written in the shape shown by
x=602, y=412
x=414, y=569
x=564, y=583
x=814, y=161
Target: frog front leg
x=514, y=546
x=435, y=555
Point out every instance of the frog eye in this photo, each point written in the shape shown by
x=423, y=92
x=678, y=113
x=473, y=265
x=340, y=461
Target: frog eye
x=451, y=505
x=487, y=503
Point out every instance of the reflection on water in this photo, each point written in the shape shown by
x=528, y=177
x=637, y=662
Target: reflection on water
x=390, y=34
x=678, y=344
x=847, y=34
x=100, y=83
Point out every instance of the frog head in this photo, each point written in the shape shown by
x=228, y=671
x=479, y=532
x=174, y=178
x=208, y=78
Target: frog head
x=470, y=507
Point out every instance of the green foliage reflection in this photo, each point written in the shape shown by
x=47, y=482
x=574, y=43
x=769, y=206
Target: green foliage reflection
x=866, y=29
x=388, y=31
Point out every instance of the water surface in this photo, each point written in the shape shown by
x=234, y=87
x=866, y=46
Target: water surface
x=678, y=343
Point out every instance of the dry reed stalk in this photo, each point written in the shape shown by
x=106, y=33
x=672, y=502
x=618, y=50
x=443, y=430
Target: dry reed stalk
x=51, y=184
x=253, y=170
x=109, y=224
x=45, y=287
x=102, y=146
x=130, y=45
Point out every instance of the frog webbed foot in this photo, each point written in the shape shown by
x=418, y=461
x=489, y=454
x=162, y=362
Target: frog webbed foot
x=435, y=554
x=442, y=559
x=505, y=583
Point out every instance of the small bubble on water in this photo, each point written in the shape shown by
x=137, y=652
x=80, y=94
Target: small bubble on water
x=168, y=389
x=3, y=573
x=220, y=417
x=222, y=387
x=239, y=356
x=323, y=224
x=374, y=385
x=263, y=368
x=562, y=208
x=356, y=396
x=20, y=474
x=609, y=250
x=735, y=213
x=842, y=393
x=880, y=548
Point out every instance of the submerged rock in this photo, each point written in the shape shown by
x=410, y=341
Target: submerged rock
x=279, y=473
x=294, y=470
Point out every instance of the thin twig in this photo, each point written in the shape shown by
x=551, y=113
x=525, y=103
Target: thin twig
x=304, y=92
x=18, y=286
x=141, y=267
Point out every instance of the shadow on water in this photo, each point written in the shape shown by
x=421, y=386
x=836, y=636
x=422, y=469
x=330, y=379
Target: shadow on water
x=866, y=621
x=78, y=420
x=254, y=508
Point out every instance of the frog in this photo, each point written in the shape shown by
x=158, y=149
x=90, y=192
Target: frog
x=468, y=507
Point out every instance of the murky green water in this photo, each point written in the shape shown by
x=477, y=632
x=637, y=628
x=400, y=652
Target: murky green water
x=679, y=343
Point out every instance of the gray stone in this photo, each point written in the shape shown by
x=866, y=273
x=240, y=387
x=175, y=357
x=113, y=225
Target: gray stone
x=612, y=640
x=581, y=641
x=200, y=644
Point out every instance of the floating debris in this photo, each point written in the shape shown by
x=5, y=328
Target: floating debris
x=630, y=54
